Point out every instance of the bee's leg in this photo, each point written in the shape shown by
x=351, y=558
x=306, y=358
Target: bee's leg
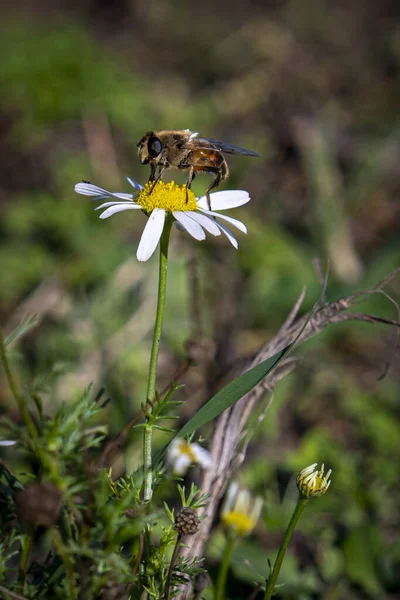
x=153, y=175
x=215, y=184
x=153, y=169
x=221, y=172
x=190, y=179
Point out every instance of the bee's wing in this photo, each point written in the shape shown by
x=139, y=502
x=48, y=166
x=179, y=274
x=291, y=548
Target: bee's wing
x=228, y=148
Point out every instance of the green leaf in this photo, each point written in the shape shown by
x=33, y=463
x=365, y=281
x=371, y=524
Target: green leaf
x=231, y=393
x=361, y=549
x=29, y=322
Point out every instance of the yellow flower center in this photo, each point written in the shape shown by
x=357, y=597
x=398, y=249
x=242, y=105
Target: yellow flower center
x=168, y=196
x=238, y=521
x=185, y=448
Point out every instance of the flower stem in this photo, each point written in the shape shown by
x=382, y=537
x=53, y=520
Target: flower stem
x=19, y=398
x=23, y=407
x=69, y=565
x=301, y=503
x=171, y=567
x=25, y=554
x=223, y=571
x=151, y=385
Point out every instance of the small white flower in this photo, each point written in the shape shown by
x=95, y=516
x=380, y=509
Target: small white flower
x=240, y=512
x=312, y=483
x=190, y=214
x=182, y=454
x=7, y=442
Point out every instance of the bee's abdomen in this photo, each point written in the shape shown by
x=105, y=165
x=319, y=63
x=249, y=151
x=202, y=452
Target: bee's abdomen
x=206, y=160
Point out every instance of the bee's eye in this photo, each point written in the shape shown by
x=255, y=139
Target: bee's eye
x=154, y=147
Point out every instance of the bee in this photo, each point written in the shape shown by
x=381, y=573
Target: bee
x=186, y=151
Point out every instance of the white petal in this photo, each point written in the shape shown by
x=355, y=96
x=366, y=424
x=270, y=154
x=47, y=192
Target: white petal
x=134, y=184
x=229, y=235
x=174, y=449
x=233, y=222
x=256, y=510
x=117, y=203
x=89, y=189
x=124, y=196
x=208, y=224
x=230, y=498
x=191, y=226
x=308, y=470
x=7, y=442
x=225, y=200
x=242, y=504
x=181, y=464
x=202, y=455
x=151, y=234
x=121, y=206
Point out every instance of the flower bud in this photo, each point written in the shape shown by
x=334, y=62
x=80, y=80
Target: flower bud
x=312, y=483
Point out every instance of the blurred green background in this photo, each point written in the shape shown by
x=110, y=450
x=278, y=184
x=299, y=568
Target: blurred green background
x=314, y=87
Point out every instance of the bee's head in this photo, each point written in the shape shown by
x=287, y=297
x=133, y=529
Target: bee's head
x=149, y=148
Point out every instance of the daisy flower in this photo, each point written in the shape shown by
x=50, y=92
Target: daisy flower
x=240, y=511
x=191, y=214
x=182, y=454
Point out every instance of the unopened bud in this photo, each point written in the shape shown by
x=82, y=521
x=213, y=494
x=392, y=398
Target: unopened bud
x=312, y=483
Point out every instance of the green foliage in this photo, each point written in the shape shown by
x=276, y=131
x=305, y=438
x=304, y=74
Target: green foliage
x=58, y=73
x=78, y=88
x=97, y=535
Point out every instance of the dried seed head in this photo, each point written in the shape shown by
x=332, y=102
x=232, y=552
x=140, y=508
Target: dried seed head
x=187, y=522
x=39, y=504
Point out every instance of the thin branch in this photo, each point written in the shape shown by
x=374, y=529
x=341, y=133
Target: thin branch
x=172, y=564
x=10, y=594
x=323, y=279
x=195, y=296
x=112, y=446
x=255, y=592
x=381, y=284
x=294, y=312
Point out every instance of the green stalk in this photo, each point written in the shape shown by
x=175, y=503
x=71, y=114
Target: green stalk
x=171, y=567
x=23, y=407
x=151, y=385
x=70, y=571
x=18, y=397
x=25, y=554
x=223, y=571
x=301, y=503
